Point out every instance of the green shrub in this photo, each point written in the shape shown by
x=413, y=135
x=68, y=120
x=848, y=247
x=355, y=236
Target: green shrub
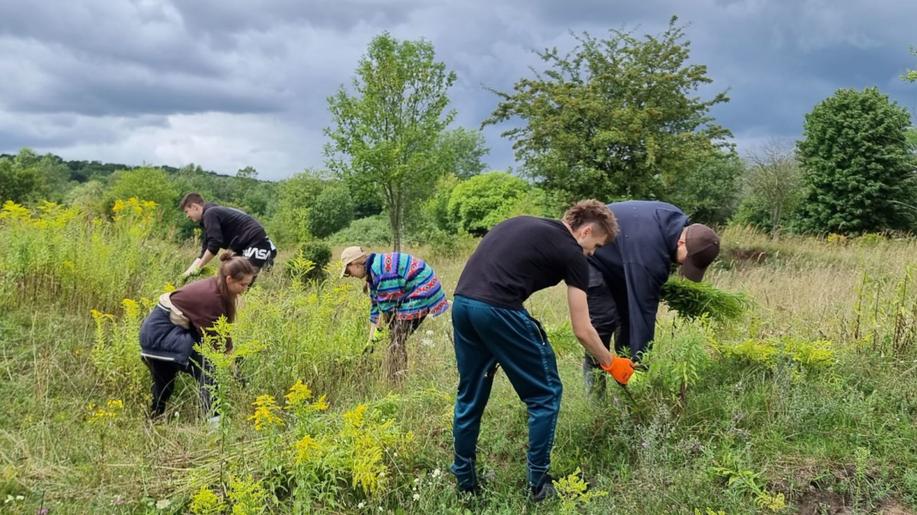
x=309, y=262
x=481, y=202
x=372, y=231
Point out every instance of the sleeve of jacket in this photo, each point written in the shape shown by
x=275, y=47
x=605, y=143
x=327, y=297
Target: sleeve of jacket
x=643, y=293
x=387, y=295
x=213, y=232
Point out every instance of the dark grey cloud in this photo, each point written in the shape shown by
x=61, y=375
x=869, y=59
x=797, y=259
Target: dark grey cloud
x=232, y=83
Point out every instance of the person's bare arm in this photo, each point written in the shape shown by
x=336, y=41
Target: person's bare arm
x=582, y=326
x=619, y=368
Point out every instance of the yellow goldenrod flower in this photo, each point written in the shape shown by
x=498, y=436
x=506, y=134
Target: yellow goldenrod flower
x=266, y=410
x=298, y=395
x=307, y=449
x=320, y=404
x=131, y=308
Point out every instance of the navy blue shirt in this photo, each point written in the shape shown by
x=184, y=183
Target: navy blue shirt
x=520, y=256
x=637, y=263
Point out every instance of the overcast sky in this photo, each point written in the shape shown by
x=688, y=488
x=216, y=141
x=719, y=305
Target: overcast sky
x=227, y=83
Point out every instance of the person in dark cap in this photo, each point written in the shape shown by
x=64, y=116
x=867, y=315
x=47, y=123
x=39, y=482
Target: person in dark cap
x=626, y=276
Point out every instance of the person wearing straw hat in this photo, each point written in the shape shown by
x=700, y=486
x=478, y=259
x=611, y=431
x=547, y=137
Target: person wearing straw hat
x=403, y=290
x=626, y=276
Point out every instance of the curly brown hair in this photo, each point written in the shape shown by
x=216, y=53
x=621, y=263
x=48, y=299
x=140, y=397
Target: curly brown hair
x=594, y=212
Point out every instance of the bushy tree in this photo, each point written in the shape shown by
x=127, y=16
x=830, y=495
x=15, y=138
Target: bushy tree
x=708, y=188
x=28, y=177
x=460, y=152
x=435, y=210
x=772, y=189
x=16, y=183
x=331, y=211
x=615, y=118
x=89, y=197
x=146, y=184
x=482, y=201
x=856, y=164
x=385, y=131
x=309, y=205
x=290, y=223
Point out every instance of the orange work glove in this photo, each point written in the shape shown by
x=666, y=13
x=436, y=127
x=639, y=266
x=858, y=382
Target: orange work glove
x=620, y=368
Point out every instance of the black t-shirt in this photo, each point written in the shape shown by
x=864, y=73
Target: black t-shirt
x=228, y=228
x=520, y=256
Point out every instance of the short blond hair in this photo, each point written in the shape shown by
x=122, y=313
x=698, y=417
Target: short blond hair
x=594, y=212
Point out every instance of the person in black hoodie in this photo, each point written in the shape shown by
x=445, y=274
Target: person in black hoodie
x=180, y=320
x=626, y=276
x=226, y=228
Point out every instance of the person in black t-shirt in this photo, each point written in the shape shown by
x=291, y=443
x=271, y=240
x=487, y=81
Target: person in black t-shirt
x=491, y=327
x=227, y=228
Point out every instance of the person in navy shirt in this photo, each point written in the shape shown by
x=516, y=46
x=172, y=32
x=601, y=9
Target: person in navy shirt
x=626, y=276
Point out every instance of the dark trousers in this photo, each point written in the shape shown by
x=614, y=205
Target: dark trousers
x=485, y=336
x=603, y=315
x=163, y=373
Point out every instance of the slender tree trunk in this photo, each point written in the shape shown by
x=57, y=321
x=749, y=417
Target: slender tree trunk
x=397, y=218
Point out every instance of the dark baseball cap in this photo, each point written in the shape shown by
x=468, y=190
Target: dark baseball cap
x=703, y=246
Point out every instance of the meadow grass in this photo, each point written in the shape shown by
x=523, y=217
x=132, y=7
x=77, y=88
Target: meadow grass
x=807, y=403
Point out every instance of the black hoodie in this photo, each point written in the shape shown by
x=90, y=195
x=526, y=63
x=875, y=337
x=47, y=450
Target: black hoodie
x=229, y=228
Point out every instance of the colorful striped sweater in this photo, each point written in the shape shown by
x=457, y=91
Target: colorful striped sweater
x=403, y=285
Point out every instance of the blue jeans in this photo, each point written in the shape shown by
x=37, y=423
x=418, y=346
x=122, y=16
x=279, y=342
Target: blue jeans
x=485, y=336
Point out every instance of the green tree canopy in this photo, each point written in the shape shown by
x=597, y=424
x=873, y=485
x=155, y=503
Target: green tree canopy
x=614, y=118
x=708, y=188
x=460, y=152
x=331, y=211
x=146, y=184
x=310, y=206
x=856, y=164
x=385, y=132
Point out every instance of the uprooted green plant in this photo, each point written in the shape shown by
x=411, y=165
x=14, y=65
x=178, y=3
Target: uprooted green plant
x=694, y=300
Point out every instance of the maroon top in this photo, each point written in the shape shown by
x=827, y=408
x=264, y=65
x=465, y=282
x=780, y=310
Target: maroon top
x=201, y=302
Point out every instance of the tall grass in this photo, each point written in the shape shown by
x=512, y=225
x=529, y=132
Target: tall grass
x=807, y=398
x=55, y=256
